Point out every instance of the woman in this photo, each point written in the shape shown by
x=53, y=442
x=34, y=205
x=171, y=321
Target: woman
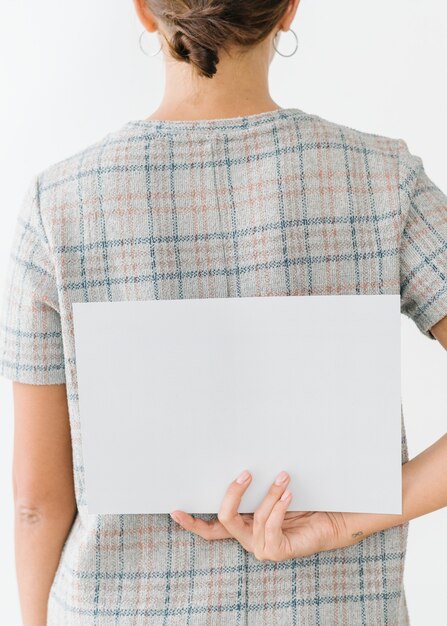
x=219, y=193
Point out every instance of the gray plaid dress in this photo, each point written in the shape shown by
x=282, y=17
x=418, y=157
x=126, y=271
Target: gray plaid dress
x=272, y=204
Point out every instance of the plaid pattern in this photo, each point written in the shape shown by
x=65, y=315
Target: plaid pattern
x=277, y=203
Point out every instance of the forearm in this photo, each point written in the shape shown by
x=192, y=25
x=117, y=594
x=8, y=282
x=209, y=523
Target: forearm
x=424, y=490
x=40, y=534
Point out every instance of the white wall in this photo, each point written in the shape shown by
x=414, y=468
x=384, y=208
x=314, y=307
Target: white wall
x=72, y=71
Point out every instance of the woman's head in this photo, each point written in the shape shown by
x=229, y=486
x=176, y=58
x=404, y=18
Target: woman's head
x=196, y=31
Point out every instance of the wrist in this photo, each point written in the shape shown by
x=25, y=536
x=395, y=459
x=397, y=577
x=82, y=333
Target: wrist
x=360, y=525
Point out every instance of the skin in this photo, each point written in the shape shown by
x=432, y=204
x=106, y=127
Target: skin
x=44, y=497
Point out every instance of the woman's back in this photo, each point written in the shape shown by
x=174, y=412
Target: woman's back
x=276, y=203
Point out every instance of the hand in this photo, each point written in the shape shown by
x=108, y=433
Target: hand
x=271, y=532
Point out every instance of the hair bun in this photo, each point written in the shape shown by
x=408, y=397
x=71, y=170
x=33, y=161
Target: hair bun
x=198, y=29
x=186, y=49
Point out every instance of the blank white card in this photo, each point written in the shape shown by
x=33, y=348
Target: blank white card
x=177, y=397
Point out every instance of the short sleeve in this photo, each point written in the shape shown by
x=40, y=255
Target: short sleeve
x=423, y=244
x=31, y=348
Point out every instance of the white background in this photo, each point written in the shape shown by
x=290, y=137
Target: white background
x=73, y=71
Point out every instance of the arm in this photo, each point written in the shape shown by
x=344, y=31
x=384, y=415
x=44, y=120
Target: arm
x=424, y=480
x=44, y=499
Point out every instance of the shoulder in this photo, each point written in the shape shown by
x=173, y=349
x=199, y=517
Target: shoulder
x=354, y=140
x=72, y=185
x=64, y=176
x=386, y=152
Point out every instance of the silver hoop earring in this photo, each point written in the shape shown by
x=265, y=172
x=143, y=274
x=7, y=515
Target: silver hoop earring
x=296, y=43
x=148, y=54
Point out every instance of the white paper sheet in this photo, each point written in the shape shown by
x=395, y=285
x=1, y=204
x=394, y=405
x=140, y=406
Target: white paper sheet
x=177, y=397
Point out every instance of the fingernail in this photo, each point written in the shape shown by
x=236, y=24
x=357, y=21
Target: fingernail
x=175, y=517
x=281, y=478
x=243, y=477
x=285, y=495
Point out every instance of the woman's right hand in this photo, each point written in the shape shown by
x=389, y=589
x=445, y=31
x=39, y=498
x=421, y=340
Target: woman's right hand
x=271, y=532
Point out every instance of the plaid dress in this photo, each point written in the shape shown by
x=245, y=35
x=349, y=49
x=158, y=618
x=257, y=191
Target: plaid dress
x=271, y=204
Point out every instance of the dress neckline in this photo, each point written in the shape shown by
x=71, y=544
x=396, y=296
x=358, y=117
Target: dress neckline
x=239, y=122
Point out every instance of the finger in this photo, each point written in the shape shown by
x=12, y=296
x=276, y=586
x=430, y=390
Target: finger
x=264, y=511
x=212, y=529
x=274, y=535
x=228, y=513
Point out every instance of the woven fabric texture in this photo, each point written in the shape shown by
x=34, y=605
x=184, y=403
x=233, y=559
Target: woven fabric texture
x=277, y=203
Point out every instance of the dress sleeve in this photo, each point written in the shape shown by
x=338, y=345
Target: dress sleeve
x=423, y=244
x=31, y=348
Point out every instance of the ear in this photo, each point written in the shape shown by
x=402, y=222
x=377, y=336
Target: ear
x=289, y=15
x=145, y=16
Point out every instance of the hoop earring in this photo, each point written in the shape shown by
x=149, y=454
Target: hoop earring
x=296, y=43
x=153, y=54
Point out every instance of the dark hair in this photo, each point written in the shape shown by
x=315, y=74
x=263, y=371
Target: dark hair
x=198, y=29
